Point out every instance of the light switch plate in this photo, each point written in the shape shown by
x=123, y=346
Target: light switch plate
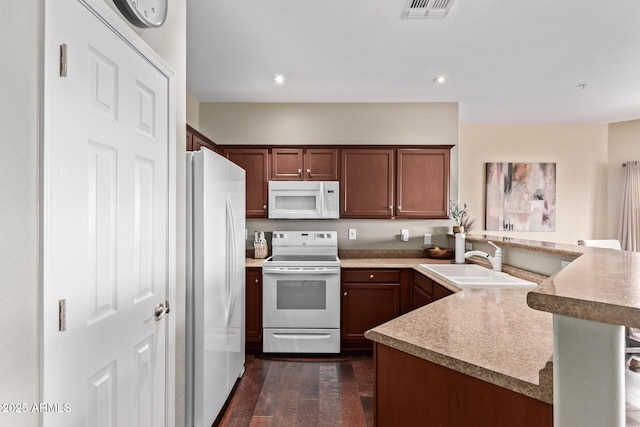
x=427, y=239
x=352, y=234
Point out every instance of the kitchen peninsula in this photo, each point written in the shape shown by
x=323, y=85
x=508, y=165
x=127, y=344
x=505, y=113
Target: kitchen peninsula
x=483, y=357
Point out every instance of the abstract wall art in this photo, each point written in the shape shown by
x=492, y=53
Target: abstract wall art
x=521, y=197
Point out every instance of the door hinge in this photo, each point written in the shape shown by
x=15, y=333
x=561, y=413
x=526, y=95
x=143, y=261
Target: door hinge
x=63, y=60
x=62, y=315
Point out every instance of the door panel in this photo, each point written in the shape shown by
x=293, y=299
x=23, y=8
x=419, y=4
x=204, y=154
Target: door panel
x=105, y=225
x=367, y=183
x=423, y=183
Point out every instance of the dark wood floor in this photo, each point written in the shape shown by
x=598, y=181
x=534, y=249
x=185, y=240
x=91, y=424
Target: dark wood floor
x=303, y=391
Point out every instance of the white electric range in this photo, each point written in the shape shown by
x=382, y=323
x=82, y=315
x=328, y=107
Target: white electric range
x=301, y=293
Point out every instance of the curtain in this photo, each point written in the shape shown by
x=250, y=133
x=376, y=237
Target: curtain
x=630, y=218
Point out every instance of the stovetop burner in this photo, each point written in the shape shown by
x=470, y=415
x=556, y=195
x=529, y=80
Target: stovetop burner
x=304, y=248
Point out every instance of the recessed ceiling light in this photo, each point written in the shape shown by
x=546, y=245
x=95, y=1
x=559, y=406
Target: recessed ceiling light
x=279, y=79
x=440, y=80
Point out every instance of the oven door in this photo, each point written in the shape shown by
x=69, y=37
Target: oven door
x=301, y=297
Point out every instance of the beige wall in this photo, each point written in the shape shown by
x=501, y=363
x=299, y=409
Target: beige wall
x=20, y=29
x=580, y=152
x=624, y=145
x=345, y=123
x=330, y=123
x=21, y=89
x=193, y=111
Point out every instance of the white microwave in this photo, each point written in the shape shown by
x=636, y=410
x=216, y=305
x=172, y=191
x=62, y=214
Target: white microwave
x=304, y=199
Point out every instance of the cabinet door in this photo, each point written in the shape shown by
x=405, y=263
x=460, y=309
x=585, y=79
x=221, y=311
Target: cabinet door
x=366, y=305
x=367, y=183
x=422, y=291
x=286, y=164
x=255, y=162
x=423, y=183
x=440, y=292
x=321, y=164
x=253, y=319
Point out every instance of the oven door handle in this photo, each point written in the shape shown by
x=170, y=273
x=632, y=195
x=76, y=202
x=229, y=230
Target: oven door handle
x=266, y=270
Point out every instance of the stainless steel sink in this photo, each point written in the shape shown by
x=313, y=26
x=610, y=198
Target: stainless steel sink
x=467, y=276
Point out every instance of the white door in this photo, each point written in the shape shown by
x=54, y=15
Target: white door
x=106, y=226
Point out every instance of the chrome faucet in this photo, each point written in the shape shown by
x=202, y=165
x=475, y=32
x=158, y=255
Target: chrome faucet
x=495, y=260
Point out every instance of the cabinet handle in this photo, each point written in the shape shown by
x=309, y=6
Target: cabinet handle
x=345, y=294
x=371, y=276
x=300, y=173
x=256, y=281
x=390, y=208
x=309, y=172
x=264, y=206
x=399, y=208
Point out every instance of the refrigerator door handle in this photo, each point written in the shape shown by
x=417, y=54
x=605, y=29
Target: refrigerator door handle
x=231, y=277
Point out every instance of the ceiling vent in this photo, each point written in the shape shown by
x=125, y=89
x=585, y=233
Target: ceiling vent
x=427, y=8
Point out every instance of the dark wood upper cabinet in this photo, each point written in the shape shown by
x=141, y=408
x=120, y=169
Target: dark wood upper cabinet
x=255, y=162
x=304, y=164
x=321, y=164
x=422, y=183
x=195, y=140
x=367, y=183
x=287, y=164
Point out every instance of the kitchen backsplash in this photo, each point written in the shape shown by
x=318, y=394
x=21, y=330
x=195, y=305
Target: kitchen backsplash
x=370, y=233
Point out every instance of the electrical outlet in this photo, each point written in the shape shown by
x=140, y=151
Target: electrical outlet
x=352, y=234
x=467, y=246
x=427, y=239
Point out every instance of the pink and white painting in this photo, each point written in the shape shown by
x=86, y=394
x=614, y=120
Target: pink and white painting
x=521, y=197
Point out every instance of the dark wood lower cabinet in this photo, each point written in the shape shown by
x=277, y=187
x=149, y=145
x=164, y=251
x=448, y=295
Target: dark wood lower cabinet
x=371, y=297
x=253, y=308
x=409, y=391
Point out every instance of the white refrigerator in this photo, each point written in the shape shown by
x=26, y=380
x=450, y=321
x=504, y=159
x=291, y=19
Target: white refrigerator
x=215, y=300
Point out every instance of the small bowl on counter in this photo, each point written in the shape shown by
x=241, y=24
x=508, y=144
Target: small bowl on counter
x=439, y=253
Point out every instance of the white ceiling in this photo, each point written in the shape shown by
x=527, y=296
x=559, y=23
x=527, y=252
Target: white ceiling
x=507, y=61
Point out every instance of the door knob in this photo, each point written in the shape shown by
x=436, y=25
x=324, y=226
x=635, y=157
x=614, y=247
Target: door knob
x=161, y=310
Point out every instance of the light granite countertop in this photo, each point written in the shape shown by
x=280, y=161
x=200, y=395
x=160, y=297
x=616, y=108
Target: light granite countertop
x=252, y=262
x=602, y=285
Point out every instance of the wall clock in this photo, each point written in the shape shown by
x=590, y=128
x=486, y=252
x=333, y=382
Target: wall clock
x=143, y=13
